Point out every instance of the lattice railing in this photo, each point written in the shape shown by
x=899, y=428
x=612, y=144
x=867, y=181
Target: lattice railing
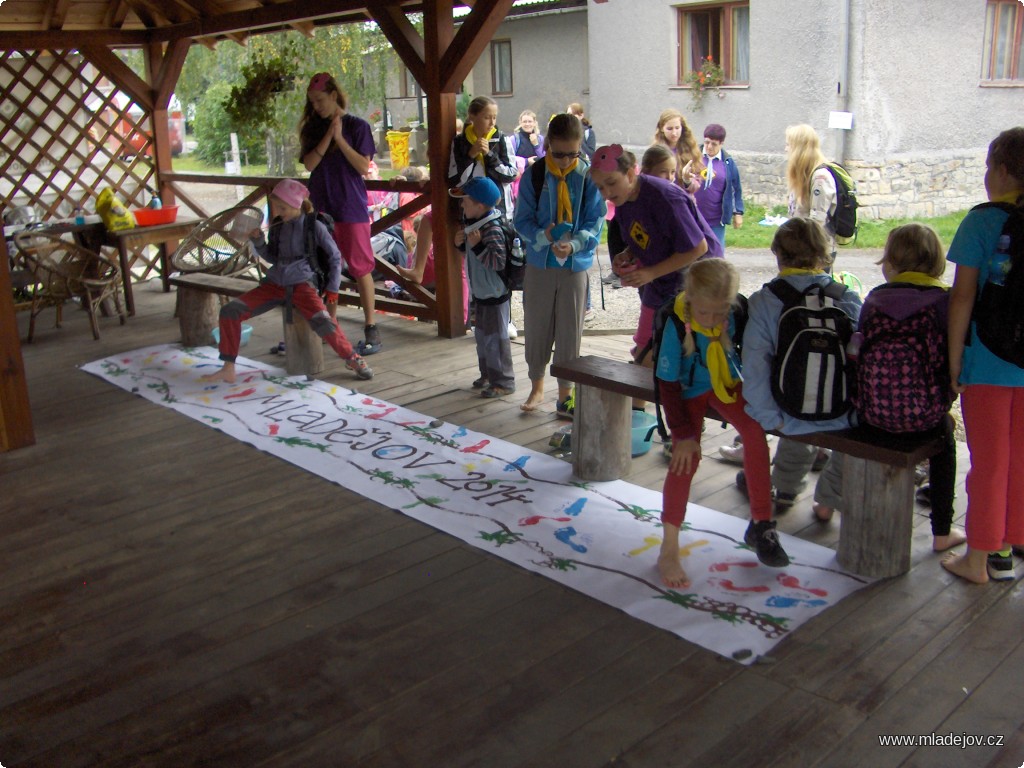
x=66, y=133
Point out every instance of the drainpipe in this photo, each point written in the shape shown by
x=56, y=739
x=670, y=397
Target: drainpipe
x=843, y=76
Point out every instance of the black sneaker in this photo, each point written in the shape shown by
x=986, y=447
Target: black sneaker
x=763, y=537
x=1000, y=567
x=783, y=501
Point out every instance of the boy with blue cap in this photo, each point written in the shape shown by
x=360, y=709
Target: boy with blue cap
x=482, y=239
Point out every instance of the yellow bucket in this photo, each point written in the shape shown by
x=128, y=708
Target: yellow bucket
x=398, y=144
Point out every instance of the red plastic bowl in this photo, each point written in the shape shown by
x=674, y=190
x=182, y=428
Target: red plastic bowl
x=148, y=217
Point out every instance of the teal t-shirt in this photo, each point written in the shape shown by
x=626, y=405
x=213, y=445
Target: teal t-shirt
x=974, y=245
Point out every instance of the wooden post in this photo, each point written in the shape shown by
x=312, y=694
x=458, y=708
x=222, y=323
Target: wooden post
x=198, y=315
x=877, y=519
x=303, y=349
x=15, y=412
x=600, y=434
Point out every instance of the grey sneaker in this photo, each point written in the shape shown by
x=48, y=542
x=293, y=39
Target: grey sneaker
x=358, y=365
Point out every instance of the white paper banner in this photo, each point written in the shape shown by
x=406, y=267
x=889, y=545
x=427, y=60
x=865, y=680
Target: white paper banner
x=599, y=538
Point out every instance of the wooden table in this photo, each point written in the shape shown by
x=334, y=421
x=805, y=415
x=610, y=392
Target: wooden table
x=138, y=237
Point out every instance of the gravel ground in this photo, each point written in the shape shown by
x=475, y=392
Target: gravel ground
x=621, y=307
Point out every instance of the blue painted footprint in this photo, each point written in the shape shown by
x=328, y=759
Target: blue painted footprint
x=778, y=601
x=565, y=535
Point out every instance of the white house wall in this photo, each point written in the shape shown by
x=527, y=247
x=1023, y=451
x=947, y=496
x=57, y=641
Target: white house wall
x=549, y=66
x=921, y=121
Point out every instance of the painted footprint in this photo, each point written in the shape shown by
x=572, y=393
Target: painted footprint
x=792, y=582
x=565, y=535
x=778, y=601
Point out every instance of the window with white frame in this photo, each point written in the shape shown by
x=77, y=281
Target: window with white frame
x=501, y=67
x=719, y=31
x=1002, y=52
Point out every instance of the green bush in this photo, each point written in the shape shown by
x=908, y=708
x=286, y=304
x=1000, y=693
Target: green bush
x=213, y=130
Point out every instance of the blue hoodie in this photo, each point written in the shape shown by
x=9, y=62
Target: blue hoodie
x=534, y=214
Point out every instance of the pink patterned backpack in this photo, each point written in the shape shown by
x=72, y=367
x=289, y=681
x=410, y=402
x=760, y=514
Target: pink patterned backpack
x=903, y=369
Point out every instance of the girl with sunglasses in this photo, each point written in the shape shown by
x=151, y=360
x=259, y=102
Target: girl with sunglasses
x=560, y=226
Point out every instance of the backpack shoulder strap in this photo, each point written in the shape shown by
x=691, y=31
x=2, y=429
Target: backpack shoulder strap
x=785, y=292
x=537, y=177
x=309, y=235
x=834, y=290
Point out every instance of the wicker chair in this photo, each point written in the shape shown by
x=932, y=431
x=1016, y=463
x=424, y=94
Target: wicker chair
x=220, y=244
x=63, y=271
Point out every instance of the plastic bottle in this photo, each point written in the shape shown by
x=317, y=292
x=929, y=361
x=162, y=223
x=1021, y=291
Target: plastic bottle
x=1001, y=261
x=79, y=216
x=517, y=251
x=853, y=348
x=155, y=203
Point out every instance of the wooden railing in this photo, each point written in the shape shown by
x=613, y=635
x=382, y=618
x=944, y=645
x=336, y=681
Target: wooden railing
x=425, y=305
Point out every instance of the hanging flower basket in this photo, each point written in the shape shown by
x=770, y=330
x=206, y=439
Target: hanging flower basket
x=710, y=77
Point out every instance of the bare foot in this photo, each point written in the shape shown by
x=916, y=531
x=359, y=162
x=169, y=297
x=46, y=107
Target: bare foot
x=967, y=566
x=954, y=538
x=225, y=374
x=822, y=513
x=410, y=274
x=535, y=399
x=672, y=573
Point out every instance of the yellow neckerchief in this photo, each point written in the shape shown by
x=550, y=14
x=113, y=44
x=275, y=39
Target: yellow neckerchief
x=722, y=382
x=1009, y=197
x=919, y=278
x=790, y=271
x=564, y=209
x=472, y=138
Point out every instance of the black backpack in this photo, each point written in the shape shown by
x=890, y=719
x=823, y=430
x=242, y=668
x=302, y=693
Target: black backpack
x=665, y=316
x=812, y=378
x=319, y=258
x=999, y=310
x=515, y=257
x=843, y=221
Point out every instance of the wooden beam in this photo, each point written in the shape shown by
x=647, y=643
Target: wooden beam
x=56, y=14
x=276, y=15
x=402, y=35
x=119, y=73
x=170, y=70
x=470, y=41
x=15, y=412
x=438, y=32
x=59, y=40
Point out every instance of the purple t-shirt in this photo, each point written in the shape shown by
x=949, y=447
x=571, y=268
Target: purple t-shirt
x=663, y=220
x=335, y=187
x=709, y=196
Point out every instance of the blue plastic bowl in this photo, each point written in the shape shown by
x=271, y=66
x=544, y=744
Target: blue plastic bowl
x=246, y=334
x=642, y=423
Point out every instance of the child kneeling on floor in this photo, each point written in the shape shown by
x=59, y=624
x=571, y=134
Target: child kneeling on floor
x=482, y=239
x=289, y=282
x=695, y=371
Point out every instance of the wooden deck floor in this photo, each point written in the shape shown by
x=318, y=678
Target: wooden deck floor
x=173, y=597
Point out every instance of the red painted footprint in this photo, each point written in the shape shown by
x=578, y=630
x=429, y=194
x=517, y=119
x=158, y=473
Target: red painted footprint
x=729, y=586
x=533, y=520
x=722, y=567
x=792, y=582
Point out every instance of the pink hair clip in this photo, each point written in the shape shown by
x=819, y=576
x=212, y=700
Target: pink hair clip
x=319, y=82
x=606, y=158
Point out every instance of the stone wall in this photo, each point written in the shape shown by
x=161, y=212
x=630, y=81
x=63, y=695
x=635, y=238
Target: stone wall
x=909, y=186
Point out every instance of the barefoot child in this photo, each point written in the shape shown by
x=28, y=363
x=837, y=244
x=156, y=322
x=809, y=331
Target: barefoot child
x=694, y=370
x=991, y=388
x=560, y=228
x=482, y=239
x=903, y=367
x=289, y=281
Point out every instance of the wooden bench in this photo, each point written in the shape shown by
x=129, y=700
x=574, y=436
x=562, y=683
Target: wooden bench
x=199, y=312
x=878, y=477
